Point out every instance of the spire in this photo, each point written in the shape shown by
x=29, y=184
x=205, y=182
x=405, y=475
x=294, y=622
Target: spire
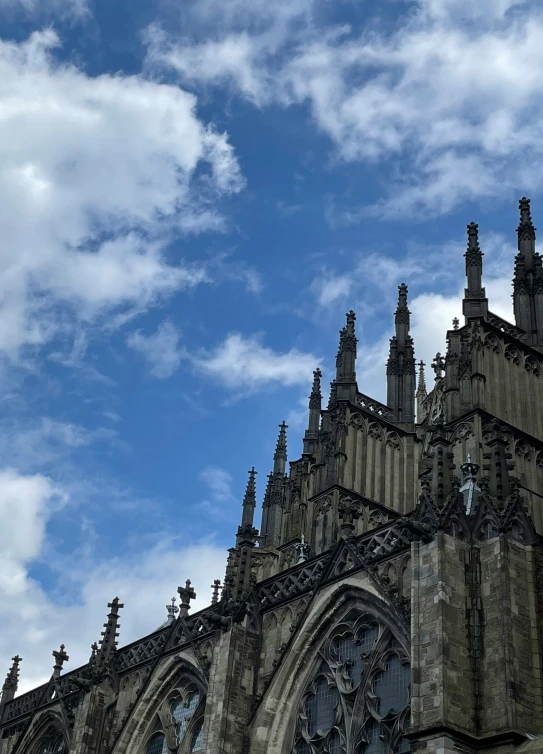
x=475, y=303
x=526, y=234
x=401, y=369
x=280, y=455
x=528, y=280
x=346, y=355
x=11, y=684
x=249, y=501
x=422, y=393
x=315, y=405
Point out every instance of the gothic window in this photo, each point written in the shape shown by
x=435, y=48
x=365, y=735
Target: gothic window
x=178, y=723
x=357, y=701
x=52, y=743
x=157, y=744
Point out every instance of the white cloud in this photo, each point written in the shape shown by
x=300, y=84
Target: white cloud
x=452, y=95
x=219, y=482
x=98, y=175
x=161, y=350
x=241, y=362
x=23, y=516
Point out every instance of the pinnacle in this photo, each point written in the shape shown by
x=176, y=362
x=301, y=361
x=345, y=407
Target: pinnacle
x=421, y=389
x=525, y=213
x=281, y=447
x=250, y=491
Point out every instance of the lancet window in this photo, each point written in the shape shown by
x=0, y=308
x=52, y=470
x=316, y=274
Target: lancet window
x=179, y=722
x=357, y=701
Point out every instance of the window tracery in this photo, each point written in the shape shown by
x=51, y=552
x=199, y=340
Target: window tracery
x=53, y=742
x=178, y=723
x=357, y=701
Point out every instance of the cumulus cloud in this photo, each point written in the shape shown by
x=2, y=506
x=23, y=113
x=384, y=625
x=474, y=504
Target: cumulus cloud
x=448, y=99
x=98, y=175
x=161, y=350
x=243, y=362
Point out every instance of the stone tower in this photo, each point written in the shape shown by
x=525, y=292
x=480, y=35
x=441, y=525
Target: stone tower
x=393, y=598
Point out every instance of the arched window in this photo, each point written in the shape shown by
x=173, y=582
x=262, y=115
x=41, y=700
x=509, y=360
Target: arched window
x=357, y=701
x=52, y=743
x=178, y=723
x=157, y=744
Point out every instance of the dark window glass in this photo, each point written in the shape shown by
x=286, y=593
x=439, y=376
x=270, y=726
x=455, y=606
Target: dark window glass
x=320, y=707
x=403, y=746
x=348, y=651
x=375, y=744
x=53, y=743
x=391, y=686
x=182, y=712
x=157, y=745
x=334, y=746
x=198, y=740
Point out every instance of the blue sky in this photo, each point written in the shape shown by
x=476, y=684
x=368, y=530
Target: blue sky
x=192, y=195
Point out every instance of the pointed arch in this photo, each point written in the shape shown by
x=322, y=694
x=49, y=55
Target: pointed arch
x=334, y=606
x=177, y=676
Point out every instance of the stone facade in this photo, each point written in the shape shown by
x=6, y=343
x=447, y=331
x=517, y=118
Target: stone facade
x=393, y=598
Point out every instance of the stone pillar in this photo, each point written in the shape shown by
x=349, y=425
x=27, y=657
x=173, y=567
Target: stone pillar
x=442, y=696
x=231, y=691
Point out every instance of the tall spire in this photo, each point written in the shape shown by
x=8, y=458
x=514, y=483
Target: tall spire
x=280, y=455
x=475, y=303
x=249, y=501
x=401, y=368
x=346, y=360
x=422, y=392
x=526, y=234
x=11, y=684
x=315, y=405
x=528, y=280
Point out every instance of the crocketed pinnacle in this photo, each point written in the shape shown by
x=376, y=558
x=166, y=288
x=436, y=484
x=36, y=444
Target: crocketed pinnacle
x=280, y=455
x=346, y=355
x=525, y=230
x=475, y=303
x=249, y=500
x=422, y=391
x=12, y=679
x=108, y=642
x=315, y=406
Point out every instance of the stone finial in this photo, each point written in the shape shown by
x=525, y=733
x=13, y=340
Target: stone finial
x=216, y=585
x=172, y=611
x=438, y=365
x=60, y=658
x=186, y=593
x=455, y=323
x=525, y=230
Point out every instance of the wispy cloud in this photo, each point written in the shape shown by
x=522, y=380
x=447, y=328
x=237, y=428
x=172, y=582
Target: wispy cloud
x=448, y=101
x=243, y=362
x=93, y=189
x=161, y=350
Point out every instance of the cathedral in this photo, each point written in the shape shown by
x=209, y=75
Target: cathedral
x=392, y=600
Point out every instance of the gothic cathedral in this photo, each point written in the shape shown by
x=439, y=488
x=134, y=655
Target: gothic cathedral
x=392, y=601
